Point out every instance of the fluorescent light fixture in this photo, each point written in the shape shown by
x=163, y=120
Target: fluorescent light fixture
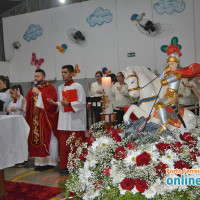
x=62, y=1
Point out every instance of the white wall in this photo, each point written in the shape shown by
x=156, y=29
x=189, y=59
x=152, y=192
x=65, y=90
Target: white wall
x=107, y=44
x=5, y=68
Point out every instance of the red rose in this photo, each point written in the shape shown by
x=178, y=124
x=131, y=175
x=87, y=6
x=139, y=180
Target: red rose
x=128, y=184
x=98, y=184
x=180, y=165
x=176, y=147
x=161, y=169
x=191, y=142
x=185, y=135
x=195, y=153
x=131, y=145
x=90, y=140
x=84, y=154
x=120, y=153
x=162, y=147
x=143, y=159
x=116, y=137
x=119, y=130
x=111, y=131
x=106, y=172
x=141, y=185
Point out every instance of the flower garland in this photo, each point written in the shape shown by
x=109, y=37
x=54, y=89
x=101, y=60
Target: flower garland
x=108, y=167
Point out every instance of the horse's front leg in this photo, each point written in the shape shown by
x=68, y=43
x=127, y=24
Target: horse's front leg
x=138, y=112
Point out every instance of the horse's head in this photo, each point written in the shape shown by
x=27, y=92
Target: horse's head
x=132, y=81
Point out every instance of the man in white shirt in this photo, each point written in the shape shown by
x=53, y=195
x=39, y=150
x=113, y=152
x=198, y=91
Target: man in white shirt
x=72, y=113
x=122, y=98
x=96, y=90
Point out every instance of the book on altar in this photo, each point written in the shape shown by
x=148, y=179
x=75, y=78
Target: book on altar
x=71, y=96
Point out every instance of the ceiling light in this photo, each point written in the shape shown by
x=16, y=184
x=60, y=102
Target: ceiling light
x=62, y=1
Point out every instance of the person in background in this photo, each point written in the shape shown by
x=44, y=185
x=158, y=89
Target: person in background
x=113, y=78
x=42, y=117
x=194, y=85
x=72, y=114
x=183, y=92
x=5, y=98
x=18, y=105
x=96, y=90
x=122, y=98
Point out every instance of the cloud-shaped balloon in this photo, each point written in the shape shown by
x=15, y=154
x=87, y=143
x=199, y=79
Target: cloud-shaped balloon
x=99, y=16
x=169, y=6
x=33, y=32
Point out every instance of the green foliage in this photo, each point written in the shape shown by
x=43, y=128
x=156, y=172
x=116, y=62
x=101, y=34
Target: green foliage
x=129, y=196
x=111, y=194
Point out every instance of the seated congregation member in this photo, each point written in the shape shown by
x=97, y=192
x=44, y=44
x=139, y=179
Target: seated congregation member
x=72, y=114
x=41, y=117
x=96, y=90
x=18, y=105
x=184, y=92
x=5, y=98
x=122, y=98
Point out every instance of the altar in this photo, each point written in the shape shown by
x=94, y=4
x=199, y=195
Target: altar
x=14, y=133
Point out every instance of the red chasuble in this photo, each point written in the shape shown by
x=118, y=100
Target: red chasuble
x=41, y=121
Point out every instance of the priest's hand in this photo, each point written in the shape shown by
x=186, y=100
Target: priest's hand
x=35, y=90
x=6, y=109
x=65, y=102
x=99, y=91
x=13, y=109
x=51, y=101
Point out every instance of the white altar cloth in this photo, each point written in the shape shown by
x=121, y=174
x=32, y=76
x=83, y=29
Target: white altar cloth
x=14, y=133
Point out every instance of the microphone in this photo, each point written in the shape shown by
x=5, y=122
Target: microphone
x=35, y=83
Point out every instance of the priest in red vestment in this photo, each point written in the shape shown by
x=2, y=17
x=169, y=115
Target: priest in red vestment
x=42, y=119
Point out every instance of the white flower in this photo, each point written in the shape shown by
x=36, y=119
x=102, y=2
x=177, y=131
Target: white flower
x=198, y=160
x=117, y=175
x=134, y=190
x=131, y=157
x=153, y=152
x=167, y=139
x=122, y=192
x=169, y=158
x=150, y=192
x=102, y=142
x=91, y=161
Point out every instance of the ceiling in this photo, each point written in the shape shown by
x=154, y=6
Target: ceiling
x=6, y=5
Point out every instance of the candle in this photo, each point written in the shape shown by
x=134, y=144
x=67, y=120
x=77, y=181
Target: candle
x=106, y=84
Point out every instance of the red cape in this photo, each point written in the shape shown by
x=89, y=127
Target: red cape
x=41, y=121
x=191, y=71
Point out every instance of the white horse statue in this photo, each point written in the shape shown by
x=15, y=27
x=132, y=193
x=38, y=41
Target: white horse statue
x=143, y=83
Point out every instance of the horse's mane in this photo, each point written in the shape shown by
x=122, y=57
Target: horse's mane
x=141, y=69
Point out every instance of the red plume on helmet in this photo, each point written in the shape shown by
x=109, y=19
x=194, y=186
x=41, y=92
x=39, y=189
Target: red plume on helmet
x=173, y=49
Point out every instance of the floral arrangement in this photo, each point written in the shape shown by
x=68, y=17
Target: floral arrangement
x=107, y=167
